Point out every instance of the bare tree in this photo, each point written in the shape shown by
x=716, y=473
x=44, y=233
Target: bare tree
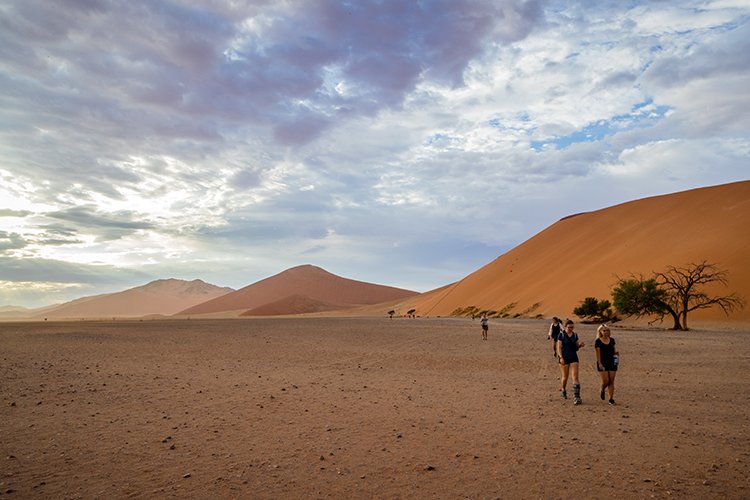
x=684, y=291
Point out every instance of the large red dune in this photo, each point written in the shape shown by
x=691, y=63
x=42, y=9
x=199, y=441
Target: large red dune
x=311, y=282
x=294, y=304
x=582, y=256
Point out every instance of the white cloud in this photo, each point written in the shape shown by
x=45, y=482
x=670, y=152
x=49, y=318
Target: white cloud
x=230, y=140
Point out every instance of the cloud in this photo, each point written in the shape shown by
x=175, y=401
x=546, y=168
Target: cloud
x=243, y=137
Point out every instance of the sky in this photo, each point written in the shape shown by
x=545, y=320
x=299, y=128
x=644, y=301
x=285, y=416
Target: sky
x=404, y=143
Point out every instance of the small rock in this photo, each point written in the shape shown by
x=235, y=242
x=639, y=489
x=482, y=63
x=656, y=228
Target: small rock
x=186, y=476
x=430, y=467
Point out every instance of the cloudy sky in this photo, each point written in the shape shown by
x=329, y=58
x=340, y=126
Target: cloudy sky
x=399, y=142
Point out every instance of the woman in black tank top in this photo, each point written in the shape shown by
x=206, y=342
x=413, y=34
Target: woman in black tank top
x=567, y=350
x=607, y=359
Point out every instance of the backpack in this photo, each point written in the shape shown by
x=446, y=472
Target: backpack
x=569, y=340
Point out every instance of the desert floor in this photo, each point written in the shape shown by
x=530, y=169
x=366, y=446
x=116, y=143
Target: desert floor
x=365, y=407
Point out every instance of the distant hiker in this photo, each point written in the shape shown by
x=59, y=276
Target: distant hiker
x=607, y=359
x=485, y=325
x=554, y=332
x=567, y=351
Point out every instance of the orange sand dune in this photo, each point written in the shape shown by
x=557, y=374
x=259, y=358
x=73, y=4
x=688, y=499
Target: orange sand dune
x=164, y=297
x=294, y=304
x=581, y=255
x=309, y=281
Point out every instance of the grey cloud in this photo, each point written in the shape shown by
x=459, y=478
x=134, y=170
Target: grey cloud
x=616, y=79
x=246, y=178
x=107, y=226
x=48, y=270
x=723, y=56
x=301, y=129
x=7, y=212
x=11, y=241
x=91, y=83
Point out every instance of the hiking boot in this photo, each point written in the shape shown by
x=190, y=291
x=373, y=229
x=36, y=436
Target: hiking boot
x=564, y=394
x=601, y=395
x=578, y=401
x=612, y=402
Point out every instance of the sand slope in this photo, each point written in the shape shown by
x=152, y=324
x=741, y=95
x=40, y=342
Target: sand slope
x=308, y=281
x=294, y=304
x=581, y=255
x=166, y=297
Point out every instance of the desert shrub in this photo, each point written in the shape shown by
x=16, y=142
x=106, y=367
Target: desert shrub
x=593, y=309
x=505, y=311
x=465, y=311
x=531, y=309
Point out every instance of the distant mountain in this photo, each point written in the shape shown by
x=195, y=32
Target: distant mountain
x=13, y=309
x=164, y=297
x=306, y=283
x=10, y=312
x=581, y=255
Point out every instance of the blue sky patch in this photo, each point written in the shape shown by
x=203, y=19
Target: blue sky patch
x=642, y=115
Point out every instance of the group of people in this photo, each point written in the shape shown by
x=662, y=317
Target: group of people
x=565, y=345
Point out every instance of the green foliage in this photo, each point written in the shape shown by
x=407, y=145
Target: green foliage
x=639, y=297
x=594, y=309
x=676, y=291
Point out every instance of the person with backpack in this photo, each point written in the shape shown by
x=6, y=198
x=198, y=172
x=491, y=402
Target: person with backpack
x=485, y=325
x=567, y=352
x=553, y=333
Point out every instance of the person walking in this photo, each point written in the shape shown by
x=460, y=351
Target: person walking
x=568, y=345
x=607, y=359
x=485, y=325
x=553, y=333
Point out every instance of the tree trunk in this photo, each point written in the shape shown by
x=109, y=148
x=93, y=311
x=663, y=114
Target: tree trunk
x=676, y=319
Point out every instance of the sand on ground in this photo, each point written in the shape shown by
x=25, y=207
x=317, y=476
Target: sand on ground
x=365, y=407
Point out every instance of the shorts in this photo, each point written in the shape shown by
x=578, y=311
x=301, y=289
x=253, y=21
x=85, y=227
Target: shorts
x=607, y=367
x=570, y=358
x=485, y=327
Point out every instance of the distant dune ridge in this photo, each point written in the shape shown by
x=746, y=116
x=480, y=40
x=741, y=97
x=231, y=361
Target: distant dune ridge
x=301, y=289
x=551, y=273
x=580, y=255
x=160, y=297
